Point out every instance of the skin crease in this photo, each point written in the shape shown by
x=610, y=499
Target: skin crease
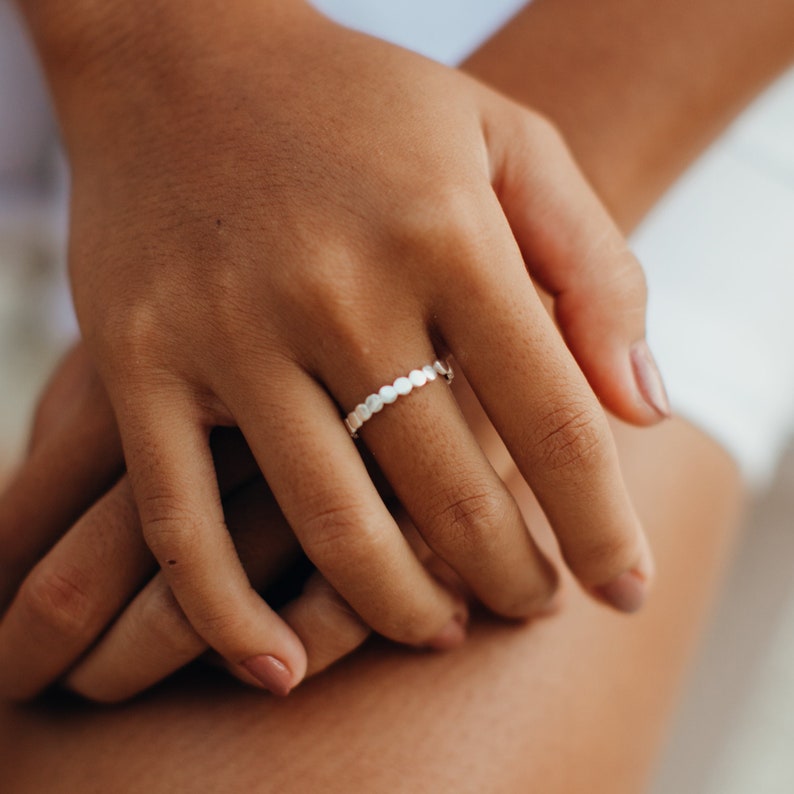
x=535, y=708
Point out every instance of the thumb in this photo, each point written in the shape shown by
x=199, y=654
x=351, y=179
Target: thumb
x=575, y=251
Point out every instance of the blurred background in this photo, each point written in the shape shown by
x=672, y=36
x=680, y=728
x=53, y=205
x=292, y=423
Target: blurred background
x=734, y=732
x=35, y=316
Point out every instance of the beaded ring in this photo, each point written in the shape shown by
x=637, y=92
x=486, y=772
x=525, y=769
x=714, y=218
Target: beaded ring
x=386, y=395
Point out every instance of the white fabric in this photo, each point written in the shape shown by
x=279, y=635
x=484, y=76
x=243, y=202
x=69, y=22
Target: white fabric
x=445, y=30
x=719, y=253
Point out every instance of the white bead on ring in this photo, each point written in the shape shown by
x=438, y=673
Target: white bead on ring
x=415, y=379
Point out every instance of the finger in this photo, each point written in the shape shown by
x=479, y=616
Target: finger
x=152, y=638
x=73, y=386
x=74, y=458
x=543, y=408
x=174, y=481
x=574, y=249
x=447, y=486
x=71, y=595
x=84, y=581
x=327, y=626
x=321, y=484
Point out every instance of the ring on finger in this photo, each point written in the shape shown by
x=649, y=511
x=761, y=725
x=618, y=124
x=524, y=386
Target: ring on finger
x=389, y=393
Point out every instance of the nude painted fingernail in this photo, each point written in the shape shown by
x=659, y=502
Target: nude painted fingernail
x=452, y=635
x=626, y=593
x=649, y=380
x=274, y=674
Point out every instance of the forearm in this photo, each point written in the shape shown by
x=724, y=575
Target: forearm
x=638, y=87
x=69, y=34
x=104, y=61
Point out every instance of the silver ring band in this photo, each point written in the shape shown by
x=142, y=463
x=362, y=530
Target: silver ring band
x=386, y=395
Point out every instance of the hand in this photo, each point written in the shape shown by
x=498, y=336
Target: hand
x=93, y=605
x=272, y=221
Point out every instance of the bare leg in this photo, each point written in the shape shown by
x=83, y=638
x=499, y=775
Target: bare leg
x=577, y=702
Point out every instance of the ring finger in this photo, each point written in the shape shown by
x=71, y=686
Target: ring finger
x=449, y=489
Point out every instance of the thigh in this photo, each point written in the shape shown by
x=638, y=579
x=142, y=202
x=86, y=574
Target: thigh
x=575, y=702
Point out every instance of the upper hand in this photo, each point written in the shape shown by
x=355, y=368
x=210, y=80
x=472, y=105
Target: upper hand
x=262, y=236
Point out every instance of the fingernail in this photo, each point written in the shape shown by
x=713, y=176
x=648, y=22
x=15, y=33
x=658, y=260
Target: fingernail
x=626, y=593
x=452, y=635
x=274, y=674
x=648, y=379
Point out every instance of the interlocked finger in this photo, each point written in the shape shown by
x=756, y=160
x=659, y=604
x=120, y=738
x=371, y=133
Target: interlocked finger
x=175, y=485
x=72, y=594
x=75, y=456
x=152, y=638
x=321, y=484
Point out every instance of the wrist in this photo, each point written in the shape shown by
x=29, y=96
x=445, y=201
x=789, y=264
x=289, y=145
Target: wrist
x=106, y=62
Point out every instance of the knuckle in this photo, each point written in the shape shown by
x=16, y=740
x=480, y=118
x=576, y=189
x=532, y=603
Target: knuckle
x=169, y=528
x=541, y=130
x=339, y=615
x=569, y=437
x=632, y=273
x=319, y=289
x=161, y=631
x=61, y=600
x=347, y=330
x=334, y=305
x=471, y=514
x=448, y=223
x=135, y=330
x=339, y=534
x=629, y=287
x=620, y=276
